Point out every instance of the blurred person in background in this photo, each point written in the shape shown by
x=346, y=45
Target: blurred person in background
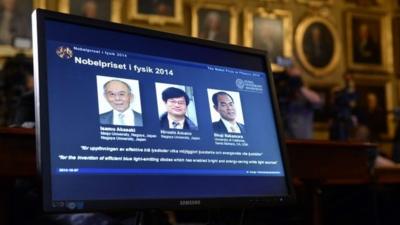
x=16, y=86
x=297, y=102
x=343, y=116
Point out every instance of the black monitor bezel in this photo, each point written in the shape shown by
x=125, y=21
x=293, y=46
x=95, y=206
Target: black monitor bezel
x=42, y=123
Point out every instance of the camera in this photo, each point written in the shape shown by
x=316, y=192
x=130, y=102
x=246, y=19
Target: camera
x=285, y=83
x=284, y=62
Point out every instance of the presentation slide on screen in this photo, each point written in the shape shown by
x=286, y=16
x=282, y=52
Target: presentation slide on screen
x=114, y=112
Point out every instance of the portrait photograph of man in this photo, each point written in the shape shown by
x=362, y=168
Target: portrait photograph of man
x=119, y=101
x=226, y=111
x=176, y=107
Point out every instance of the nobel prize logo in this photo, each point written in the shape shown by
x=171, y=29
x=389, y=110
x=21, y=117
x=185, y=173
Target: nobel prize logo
x=248, y=85
x=64, y=52
x=240, y=83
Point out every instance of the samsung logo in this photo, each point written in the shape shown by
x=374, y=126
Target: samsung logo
x=189, y=202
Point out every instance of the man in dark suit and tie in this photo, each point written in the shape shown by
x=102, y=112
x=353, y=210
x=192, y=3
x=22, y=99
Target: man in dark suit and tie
x=119, y=96
x=225, y=106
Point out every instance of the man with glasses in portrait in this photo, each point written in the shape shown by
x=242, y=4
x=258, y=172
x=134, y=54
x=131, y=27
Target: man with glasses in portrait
x=176, y=104
x=119, y=95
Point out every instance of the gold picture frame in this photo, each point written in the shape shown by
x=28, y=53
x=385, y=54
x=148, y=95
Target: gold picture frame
x=169, y=11
x=318, y=45
x=259, y=22
x=115, y=10
x=6, y=48
x=368, y=46
x=225, y=18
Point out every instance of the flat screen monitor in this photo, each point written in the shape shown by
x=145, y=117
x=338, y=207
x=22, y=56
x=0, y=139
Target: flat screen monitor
x=135, y=118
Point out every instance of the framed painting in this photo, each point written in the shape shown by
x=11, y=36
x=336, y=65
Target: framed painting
x=215, y=22
x=156, y=11
x=373, y=103
x=367, y=44
x=99, y=9
x=270, y=31
x=318, y=45
x=15, y=24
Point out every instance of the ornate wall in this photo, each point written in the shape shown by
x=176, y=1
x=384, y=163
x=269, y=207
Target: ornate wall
x=326, y=38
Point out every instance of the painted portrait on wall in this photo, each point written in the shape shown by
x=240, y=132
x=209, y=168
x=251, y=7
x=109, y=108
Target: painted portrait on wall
x=368, y=47
x=156, y=11
x=214, y=25
x=366, y=41
x=98, y=9
x=318, y=45
x=268, y=35
x=270, y=31
x=15, y=20
x=156, y=7
x=215, y=22
x=372, y=107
